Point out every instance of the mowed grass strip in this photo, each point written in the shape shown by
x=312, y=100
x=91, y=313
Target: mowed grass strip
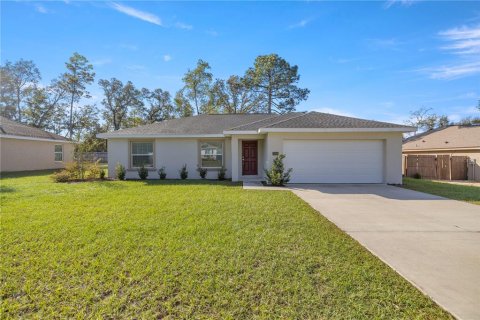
x=170, y=249
x=452, y=191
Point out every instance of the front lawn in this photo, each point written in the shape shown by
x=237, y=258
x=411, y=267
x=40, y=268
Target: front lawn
x=166, y=249
x=453, y=191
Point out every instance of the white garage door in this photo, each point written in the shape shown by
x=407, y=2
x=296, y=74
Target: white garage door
x=335, y=161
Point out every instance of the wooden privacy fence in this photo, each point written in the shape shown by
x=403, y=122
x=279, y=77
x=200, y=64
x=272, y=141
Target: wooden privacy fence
x=440, y=167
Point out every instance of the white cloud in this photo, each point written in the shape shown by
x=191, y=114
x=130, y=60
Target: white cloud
x=128, y=46
x=142, y=15
x=462, y=40
x=101, y=62
x=464, y=44
x=455, y=71
x=136, y=67
x=387, y=43
x=41, y=9
x=167, y=58
x=334, y=111
x=404, y=3
x=184, y=26
x=212, y=33
x=301, y=24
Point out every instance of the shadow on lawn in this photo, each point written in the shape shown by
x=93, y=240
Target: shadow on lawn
x=4, y=189
x=193, y=182
x=22, y=174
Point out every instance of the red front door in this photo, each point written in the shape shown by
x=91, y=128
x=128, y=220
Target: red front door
x=249, y=158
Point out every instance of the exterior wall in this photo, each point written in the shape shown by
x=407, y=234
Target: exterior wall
x=392, y=156
x=473, y=171
x=26, y=155
x=171, y=153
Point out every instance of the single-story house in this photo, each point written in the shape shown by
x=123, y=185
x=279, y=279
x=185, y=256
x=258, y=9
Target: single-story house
x=320, y=147
x=451, y=140
x=24, y=148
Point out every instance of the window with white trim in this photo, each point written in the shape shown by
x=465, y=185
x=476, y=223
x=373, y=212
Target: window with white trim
x=58, y=152
x=141, y=154
x=211, y=154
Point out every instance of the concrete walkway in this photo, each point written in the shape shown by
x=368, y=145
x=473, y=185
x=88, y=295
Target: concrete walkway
x=431, y=241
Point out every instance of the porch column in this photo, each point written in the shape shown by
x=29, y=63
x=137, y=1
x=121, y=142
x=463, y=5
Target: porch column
x=234, y=158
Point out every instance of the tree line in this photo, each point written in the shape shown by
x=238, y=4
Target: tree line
x=62, y=106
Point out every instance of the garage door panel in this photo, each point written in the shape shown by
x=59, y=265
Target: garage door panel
x=335, y=161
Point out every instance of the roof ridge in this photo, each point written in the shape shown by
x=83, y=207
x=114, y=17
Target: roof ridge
x=303, y=113
x=253, y=122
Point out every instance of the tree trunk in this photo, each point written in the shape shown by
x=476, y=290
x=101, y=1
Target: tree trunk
x=70, y=124
x=18, y=106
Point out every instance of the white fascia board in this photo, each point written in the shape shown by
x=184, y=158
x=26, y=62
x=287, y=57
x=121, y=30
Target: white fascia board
x=474, y=148
x=312, y=130
x=153, y=136
x=8, y=136
x=240, y=132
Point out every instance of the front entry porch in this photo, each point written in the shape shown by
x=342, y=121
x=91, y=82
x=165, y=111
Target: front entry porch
x=247, y=158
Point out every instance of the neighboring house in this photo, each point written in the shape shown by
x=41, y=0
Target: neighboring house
x=25, y=148
x=320, y=147
x=453, y=141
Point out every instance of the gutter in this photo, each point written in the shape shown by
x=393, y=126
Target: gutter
x=8, y=136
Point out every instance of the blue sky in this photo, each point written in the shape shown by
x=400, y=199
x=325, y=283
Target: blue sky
x=375, y=60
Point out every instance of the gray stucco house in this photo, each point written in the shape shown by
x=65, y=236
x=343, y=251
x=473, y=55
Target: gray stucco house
x=320, y=147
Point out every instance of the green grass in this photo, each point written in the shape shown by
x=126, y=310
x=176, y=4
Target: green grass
x=171, y=249
x=453, y=191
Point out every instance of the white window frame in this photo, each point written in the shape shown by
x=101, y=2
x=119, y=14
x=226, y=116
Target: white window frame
x=200, y=153
x=141, y=154
x=55, y=152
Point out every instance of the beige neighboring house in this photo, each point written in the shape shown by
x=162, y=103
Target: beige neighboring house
x=452, y=140
x=320, y=147
x=24, y=148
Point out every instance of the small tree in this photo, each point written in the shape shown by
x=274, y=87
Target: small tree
x=277, y=176
x=221, y=173
x=183, y=172
x=120, y=171
x=142, y=172
x=202, y=172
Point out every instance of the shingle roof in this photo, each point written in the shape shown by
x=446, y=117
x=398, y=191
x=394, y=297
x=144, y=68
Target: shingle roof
x=12, y=128
x=218, y=123
x=326, y=120
x=451, y=137
x=201, y=124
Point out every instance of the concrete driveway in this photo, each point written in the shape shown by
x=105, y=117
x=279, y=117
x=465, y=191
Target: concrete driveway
x=431, y=241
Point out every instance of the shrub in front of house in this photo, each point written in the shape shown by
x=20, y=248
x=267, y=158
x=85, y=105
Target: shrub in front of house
x=277, y=176
x=202, y=172
x=102, y=174
x=162, y=173
x=221, y=173
x=93, y=170
x=183, y=172
x=61, y=176
x=120, y=172
x=142, y=172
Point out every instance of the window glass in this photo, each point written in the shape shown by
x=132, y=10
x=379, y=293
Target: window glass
x=142, y=154
x=211, y=154
x=58, y=152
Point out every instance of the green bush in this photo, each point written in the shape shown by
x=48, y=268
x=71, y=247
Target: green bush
x=417, y=176
x=142, y=172
x=277, y=176
x=183, y=172
x=221, y=173
x=120, y=172
x=162, y=173
x=93, y=170
x=61, y=176
x=202, y=172
x=74, y=170
x=102, y=174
